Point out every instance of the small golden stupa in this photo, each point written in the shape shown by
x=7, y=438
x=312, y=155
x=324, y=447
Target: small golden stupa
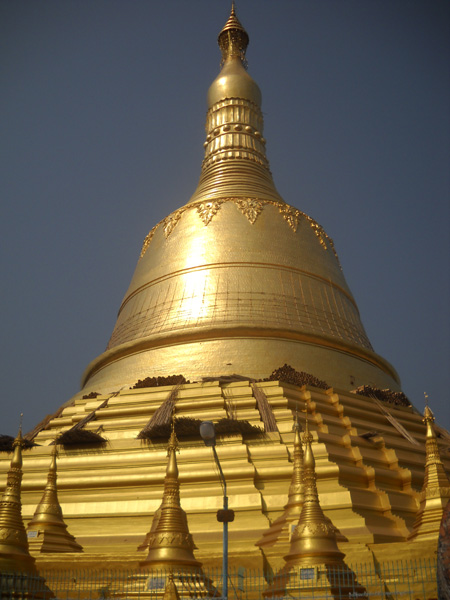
x=47, y=531
x=14, y=553
x=435, y=490
x=170, y=562
x=281, y=527
x=314, y=547
x=229, y=287
x=170, y=545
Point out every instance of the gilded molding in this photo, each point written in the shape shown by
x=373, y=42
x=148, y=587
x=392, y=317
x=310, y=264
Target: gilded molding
x=148, y=239
x=207, y=210
x=251, y=208
x=170, y=222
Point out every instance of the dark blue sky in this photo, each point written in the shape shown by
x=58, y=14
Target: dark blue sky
x=102, y=112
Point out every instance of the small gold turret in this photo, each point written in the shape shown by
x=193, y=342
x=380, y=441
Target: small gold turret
x=171, y=545
x=314, y=538
x=47, y=531
x=279, y=530
x=314, y=550
x=14, y=554
x=435, y=490
x=171, y=591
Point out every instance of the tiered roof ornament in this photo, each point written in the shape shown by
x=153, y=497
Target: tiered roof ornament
x=436, y=487
x=47, y=531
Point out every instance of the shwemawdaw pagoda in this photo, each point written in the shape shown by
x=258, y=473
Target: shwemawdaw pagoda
x=238, y=313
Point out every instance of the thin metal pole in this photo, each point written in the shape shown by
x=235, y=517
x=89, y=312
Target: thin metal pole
x=225, y=531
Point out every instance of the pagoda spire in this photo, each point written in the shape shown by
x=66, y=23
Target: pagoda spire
x=314, y=544
x=14, y=553
x=235, y=163
x=296, y=495
x=280, y=527
x=436, y=486
x=171, y=590
x=314, y=539
x=233, y=39
x=171, y=544
x=47, y=531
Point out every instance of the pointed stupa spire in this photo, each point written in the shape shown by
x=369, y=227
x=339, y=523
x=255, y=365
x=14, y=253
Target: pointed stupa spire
x=296, y=496
x=436, y=486
x=171, y=591
x=47, y=531
x=314, y=539
x=235, y=163
x=279, y=530
x=314, y=544
x=14, y=553
x=233, y=39
x=171, y=545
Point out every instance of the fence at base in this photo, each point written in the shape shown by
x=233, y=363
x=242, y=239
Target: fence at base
x=401, y=580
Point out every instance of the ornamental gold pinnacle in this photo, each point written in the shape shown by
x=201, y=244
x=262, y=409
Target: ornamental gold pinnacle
x=14, y=553
x=296, y=496
x=279, y=529
x=170, y=544
x=314, y=539
x=51, y=533
x=436, y=486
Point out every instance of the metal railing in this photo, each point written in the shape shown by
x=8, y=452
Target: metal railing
x=401, y=580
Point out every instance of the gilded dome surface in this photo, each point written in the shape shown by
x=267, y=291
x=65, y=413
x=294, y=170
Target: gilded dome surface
x=233, y=82
x=236, y=280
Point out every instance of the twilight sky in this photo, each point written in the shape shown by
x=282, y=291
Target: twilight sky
x=102, y=111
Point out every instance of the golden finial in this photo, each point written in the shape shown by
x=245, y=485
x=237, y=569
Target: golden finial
x=428, y=419
x=14, y=554
x=48, y=518
x=314, y=538
x=170, y=543
x=233, y=39
x=171, y=591
x=296, y=488
x=436, y=486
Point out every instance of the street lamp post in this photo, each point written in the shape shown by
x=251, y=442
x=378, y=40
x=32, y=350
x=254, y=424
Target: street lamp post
x=225, y=515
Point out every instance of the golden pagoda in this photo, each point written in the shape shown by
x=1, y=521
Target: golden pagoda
x=170, y=545
x=14, y=553
x=228, y=288
x=314, y=551
x=281, y=527
x=170, y=558
x=436, y=488
x=47, y=531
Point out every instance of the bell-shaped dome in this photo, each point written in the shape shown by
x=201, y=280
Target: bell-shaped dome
x=236, y=280
x=233, y=82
